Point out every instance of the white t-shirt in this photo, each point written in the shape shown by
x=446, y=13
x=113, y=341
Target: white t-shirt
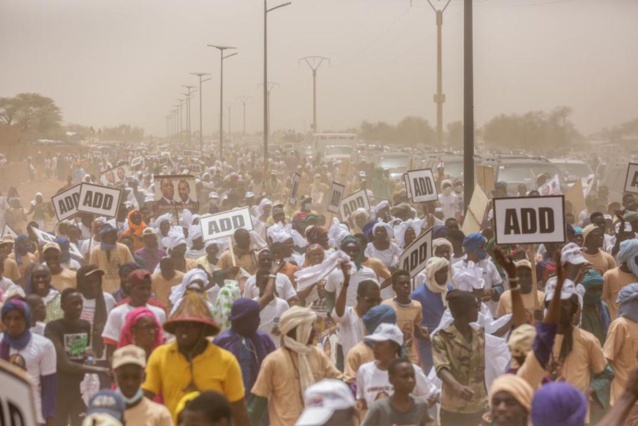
x=389, y=257
x=374, y=384
x=334, y=282
x=88, y=307
x=283, y=286
x=351, y=328
x=117, y=318
x=40, y=358
x=450, y=205
x=6, y=283
x=269, y=318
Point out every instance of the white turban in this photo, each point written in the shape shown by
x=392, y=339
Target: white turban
x=264, y=202
x=388, y=229
x=178, y=291
x=337, y=232
x=173, y=239
x=302, y=320
x=278, y=233
x=382, y=205
x=441, y=242
x=434, y=265
x=401, y=229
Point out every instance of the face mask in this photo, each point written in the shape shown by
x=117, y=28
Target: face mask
x=130, y=401
x=458, y=189
x=482, y=254
x=447, y=190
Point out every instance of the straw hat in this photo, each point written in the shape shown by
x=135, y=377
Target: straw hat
x=192, y=308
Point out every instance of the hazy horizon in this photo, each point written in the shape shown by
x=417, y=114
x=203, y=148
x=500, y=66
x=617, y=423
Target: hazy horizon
x=124, y=62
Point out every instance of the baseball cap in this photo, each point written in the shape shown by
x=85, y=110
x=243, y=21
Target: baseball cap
x=129, y=354
x=107, y=402
x=385, y=332
x=51, y=245
x=149, y=231
x=569, y=289
x=100, y=419
x=321, y=401
x=138, y=276
x=572, y=253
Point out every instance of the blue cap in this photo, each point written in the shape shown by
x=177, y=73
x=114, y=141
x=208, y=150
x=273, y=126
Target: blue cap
x=107, y=402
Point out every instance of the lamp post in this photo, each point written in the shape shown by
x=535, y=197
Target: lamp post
x=314, y=62
x=243, y=100
x=221, y=93
x=266, y=112
x=188, y=112
x=201, y=133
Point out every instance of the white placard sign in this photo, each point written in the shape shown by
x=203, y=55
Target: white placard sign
x=9, y=231
x=336, y=194
x=529, y=220
x=99, y=200
x=17, y=406
x=137, y=161
x=45, y=237
x=294, y=189
x=225, y=224
x=631, y=182
x=416, y=255
x=352, y=202
x=65, y=203
x=422, y=186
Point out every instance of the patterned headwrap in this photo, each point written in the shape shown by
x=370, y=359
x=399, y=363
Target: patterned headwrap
x=352, y=241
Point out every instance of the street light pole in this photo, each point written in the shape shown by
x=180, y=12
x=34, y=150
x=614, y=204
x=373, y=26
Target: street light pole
x=468, y=104
x=201, y=133
x=230, y=132
x=266, y=92
x=243, y=100
x=439, y=98
x=188, y=112
x=314, y=62
x=221, y=93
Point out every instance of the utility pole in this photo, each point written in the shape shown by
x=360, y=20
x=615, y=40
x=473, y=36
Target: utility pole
x=314, y=62
x=230, y=133
x=269, y=87
x=201, y=133
x=266, y=91
x=179, y=127
x=221, y=93
x=468, y=104
x=243, y=100
x=439, y=98
x=188, y=112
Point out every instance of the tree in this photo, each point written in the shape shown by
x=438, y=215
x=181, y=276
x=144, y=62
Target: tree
x=409, y=131
x=122, y=133
x=31, y=112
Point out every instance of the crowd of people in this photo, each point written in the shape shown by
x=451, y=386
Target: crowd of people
x=307, y=318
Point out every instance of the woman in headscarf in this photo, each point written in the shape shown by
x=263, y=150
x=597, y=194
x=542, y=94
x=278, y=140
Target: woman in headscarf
x=141, y=328
x=595, y=314
x=406, y=232
x=135, y=227
x=432, y=287
x=358, y=219
x=194, y=280
x=261, y=220
x=317, y=235
x=382, y=246
x=33, y=353
x=244, y=340
x=510, y=401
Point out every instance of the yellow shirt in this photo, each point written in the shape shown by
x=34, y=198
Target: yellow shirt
x=168, y=372
x=278, y=380
x=27, y=259
x=119, y=256
x=615, y=280
x=407, y=318
x=162, y=287
x=65, y=279
x=248, y=261
x=505, y=304
x=601, y=261
x=621, y=349
x=356, y=357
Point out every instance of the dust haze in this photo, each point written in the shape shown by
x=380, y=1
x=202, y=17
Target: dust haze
x=111, y=62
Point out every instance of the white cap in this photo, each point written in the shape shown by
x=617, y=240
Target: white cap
x=569, y=289
x=572, y=253
x=129, y=354
x=321, y=401
x=385, y=332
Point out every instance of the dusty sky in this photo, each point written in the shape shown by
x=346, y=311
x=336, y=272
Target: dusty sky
x=123, y=61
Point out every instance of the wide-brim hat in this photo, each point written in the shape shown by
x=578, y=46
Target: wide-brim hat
x=192, y=308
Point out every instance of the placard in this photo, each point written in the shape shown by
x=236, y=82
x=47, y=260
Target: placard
x=220, y=225
x=294, y=189
x=99, y=200
x=174, y=192
x=191, y=153
x=195, y=168
x=476, y=211
x=17, y=406
x=336, y=194
x=45, y=237
x=137, y=161
x=631, y=182
x=115, y=176
x=352, y=202
x=65, y=203
x=529, y=220
x=422, y=186
x=9, y=231
x=416, y=255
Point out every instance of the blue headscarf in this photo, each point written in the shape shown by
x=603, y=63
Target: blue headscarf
x=19, y=240
x=628, y=301
x=17, y=342
x=65, y=249
x=559, y=404
x=106, y=228
x=439, y=231
x=628, y=253
x=472, y=242
x=380, y=314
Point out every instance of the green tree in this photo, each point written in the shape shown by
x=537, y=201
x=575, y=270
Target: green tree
x=31, y=112
x=409, y=131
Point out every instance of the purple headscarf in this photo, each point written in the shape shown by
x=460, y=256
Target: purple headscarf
x=559, y=404
x=17, y=342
